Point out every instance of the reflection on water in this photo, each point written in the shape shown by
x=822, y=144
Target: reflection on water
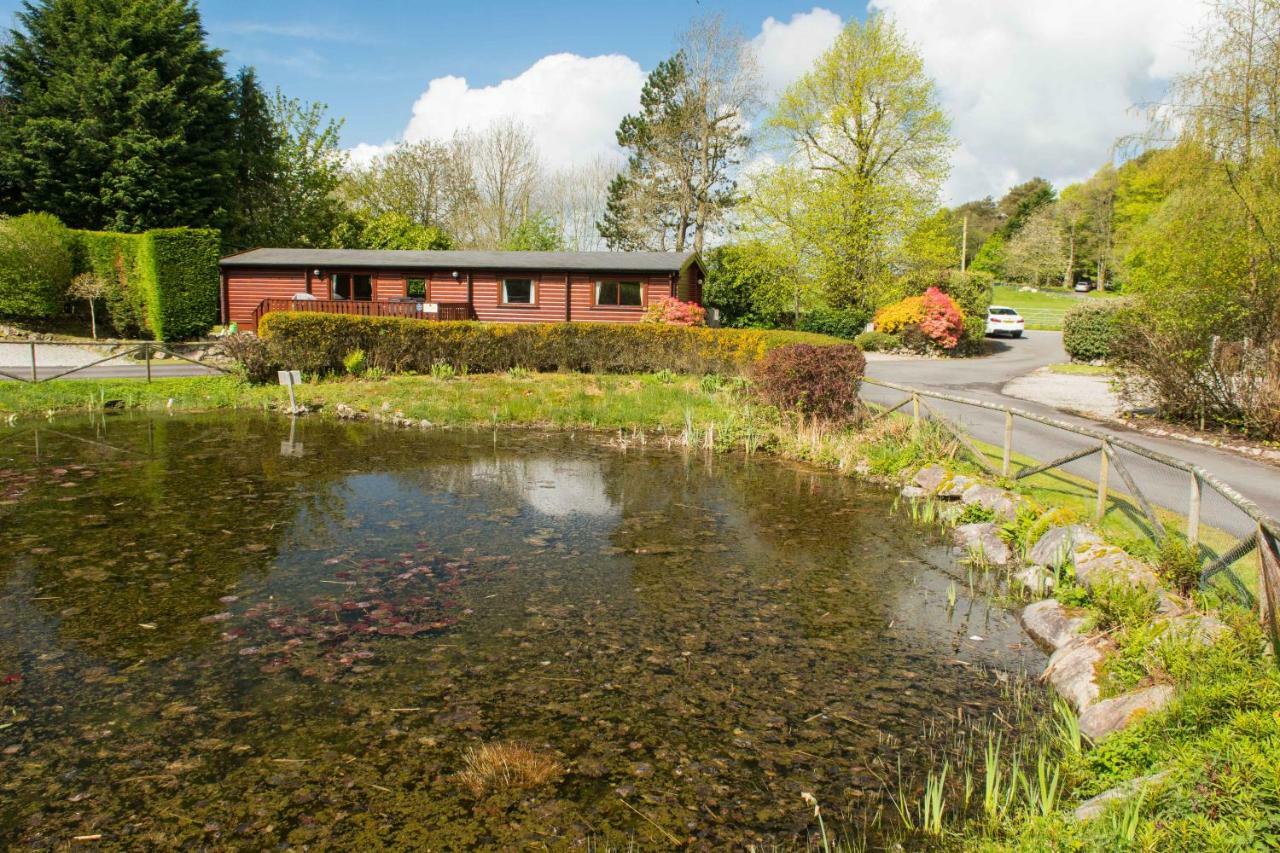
x=241, y=632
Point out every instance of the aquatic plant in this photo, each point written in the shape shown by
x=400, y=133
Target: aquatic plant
x=504, y=766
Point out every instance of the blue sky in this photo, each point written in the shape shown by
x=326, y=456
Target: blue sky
x=1033, y=87
x=369, y=61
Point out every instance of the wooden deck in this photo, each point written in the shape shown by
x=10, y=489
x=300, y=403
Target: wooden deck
x=359, y=308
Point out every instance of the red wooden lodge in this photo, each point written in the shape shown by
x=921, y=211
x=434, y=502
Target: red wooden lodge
x=508, y=287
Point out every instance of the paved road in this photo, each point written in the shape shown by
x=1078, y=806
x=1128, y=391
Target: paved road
x=55, y=359
x=982, y=379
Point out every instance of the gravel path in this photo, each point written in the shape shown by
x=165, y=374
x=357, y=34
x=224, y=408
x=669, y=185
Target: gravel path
x=47, y=355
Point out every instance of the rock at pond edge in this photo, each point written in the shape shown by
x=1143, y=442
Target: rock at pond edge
x=1072, y=671
x=1112, y=715
x=983, y=539
x=1050, y=624
x=1095, y=806
x=1058, y=545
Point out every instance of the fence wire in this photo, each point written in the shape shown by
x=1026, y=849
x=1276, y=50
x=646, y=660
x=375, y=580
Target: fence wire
x=1155, y=494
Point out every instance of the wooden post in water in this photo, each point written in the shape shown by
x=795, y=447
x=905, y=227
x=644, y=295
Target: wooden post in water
x=1193, y=511
x=1008, y=444
x=1101, y=508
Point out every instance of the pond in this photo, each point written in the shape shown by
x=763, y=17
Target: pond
x=241, y=632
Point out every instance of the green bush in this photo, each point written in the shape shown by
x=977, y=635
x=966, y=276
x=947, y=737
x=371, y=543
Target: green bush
x=179, y=272
x=355, y=362
x=36, y=266
x=845, y=323
x=318, y=343
x=1091, y=329
x=818, y=381
x=878, y=342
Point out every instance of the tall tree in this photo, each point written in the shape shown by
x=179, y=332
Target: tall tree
x=255, y=166
x=307, y=208
x=1020, y=202
x=684, y=143
x=979, y=220
x=430, y=182
x=874, y=143
x=1037, y=253
x=117, y=115
x=505, y=162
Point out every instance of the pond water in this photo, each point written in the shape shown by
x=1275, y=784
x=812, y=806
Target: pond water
x=237, y=632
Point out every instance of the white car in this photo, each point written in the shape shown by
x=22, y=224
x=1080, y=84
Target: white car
x=1002, y=320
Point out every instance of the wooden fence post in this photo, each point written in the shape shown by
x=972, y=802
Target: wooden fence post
x=1101, y=508
x=34, y=376
x=915, y=413
x=1269, y=587
x=1193, y=511
x=146, y=353
x=1008, y=444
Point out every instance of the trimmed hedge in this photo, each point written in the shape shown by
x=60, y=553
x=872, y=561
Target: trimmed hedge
x=113, y=257
x=180, y=278
x=36, y=265
x=163, y=282
x=845, y=323
x=1090, y=329
x=318, y=343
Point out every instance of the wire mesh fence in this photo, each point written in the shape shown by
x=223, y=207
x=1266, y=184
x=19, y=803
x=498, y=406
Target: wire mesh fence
x=1116, y=483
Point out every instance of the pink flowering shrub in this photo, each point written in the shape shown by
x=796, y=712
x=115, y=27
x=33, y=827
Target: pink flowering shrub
x=943, y=321
x=673, y=312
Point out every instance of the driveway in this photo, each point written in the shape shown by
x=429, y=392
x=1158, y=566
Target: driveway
x=54, y=359
x=983, y=378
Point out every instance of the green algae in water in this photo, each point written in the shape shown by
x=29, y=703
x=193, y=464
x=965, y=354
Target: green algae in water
x=224, y=632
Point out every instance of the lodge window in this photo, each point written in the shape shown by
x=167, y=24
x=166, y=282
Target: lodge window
x=517, y=291
x=628, y=294
x=355, y=286
x=415, y=288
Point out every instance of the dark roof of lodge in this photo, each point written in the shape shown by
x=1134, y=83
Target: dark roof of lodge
x=650, y=262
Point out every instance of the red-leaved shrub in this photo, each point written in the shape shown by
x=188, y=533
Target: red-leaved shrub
x=943, y=321
x=673, y=312
x=821, y=382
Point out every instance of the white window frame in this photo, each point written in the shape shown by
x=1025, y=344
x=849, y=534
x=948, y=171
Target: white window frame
x=533, y=292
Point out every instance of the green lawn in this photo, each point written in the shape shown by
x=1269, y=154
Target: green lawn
x=1043, y=309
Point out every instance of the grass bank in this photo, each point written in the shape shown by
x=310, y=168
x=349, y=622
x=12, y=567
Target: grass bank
x=1043, y=309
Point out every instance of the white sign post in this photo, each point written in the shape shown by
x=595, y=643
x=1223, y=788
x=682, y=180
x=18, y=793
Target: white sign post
x=289, y=378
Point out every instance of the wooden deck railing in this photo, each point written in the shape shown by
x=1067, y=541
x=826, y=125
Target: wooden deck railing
x=357, y=308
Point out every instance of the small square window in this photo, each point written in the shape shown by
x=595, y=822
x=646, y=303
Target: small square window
x=517, y=291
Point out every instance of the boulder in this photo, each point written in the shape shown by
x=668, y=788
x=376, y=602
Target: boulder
x=1112, y=715
x=1036, y=579
x=1072, y=671
x=930, y=478
x=983, y=538
x=954, y=487
x=1199, y=627
x=1095, y=806
x=1003, y=504
x=1098, y=563
x=913, y=493
x=1058, y=545
x=1050, y=624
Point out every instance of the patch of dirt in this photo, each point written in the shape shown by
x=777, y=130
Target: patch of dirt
x=1087, y=395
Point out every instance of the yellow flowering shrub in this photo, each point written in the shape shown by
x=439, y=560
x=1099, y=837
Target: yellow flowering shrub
x=900, y=315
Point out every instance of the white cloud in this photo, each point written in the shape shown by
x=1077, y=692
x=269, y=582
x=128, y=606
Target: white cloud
x=571, y=105
x=1044, y=88
x=787, y=51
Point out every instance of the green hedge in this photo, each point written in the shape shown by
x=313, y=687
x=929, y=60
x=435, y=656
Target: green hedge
x=36, y=266
x=113, y=257
x=1089, y=329
x=164, y=283
x=179, y=268
x=318, y=343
